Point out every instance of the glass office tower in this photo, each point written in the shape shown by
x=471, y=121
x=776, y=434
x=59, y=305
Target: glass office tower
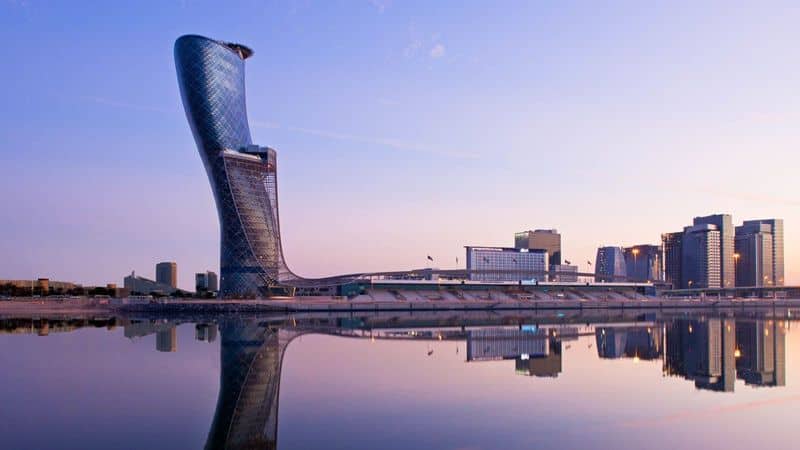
x=243, y=176
x=776, y=229
x=724, y=224
x=610, y=265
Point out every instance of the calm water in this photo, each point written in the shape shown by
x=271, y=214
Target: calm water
x=294, y=383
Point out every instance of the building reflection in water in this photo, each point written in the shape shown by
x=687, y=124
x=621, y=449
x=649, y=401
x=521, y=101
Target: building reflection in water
x=702, y=350
x=710, y=352
x=246, y=415
x=625, y=341
x=761, y=350
x=247, y=407
x=536, y=351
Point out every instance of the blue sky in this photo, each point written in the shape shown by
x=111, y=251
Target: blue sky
x=403, y=128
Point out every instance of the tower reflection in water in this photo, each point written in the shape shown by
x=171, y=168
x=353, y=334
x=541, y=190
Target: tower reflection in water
x=711, y=352
x=246, y=415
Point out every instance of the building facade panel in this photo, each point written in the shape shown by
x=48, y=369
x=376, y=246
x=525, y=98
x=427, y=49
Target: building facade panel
x=724, y=225
x=167, y=273
x=548, y=240
x=643, y=262
x=672, y=246
x=700, y=264
x=506, y=264
x=776, y=229
x=753, y=257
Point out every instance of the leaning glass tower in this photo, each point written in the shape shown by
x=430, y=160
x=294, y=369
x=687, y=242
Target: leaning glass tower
x=242, y=175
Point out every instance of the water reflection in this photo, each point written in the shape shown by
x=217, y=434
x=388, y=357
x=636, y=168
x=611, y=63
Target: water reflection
x=710, y=352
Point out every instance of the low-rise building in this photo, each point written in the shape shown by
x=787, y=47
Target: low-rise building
x=563, y=273
x=141, y=285
x=506, y=264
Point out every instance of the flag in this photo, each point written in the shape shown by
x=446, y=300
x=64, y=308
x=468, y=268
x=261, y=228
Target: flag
x=589, y=263
x=567, y=261
x=429, y=258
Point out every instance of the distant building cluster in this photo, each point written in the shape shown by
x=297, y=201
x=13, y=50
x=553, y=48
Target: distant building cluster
x=536, y=351
x=709, y=253
x=536, y=256
x=47, y=287
x=167, y=333
x=710, y=352
x=166, y=282
x=638, y=263
x=712, y=253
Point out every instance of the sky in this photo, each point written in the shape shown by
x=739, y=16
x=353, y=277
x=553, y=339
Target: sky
x=403, y=129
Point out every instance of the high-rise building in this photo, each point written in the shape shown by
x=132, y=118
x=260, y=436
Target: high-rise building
x=200, y=282
x=753, y=257
x=610, y=265
x=243, y=176
x=506, y=264
x=205, y=282
x=672, y=244
x=643, y=262
x=776, y=229
x=167, y=274
x=700, y=264
x=724, y=224
x=213, y=282
x=548, y=240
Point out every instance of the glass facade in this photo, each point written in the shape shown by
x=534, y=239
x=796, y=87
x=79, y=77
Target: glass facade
x=754, y=255
x=167, y=274
x=548, y=240
x=672, y=244
x=724, y=224
x=643, y=263
x=243, y=176
x=700, y=267
x=610, y=265
x=776, y=229
x=506, y=264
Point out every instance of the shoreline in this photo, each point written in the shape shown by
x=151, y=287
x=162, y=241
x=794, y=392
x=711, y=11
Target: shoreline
x=40, y=307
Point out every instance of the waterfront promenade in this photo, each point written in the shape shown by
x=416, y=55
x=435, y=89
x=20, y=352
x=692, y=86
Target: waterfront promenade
x=99, y=307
